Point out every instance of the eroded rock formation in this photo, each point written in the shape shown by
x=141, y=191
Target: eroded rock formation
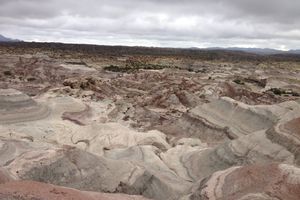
x=158, y=127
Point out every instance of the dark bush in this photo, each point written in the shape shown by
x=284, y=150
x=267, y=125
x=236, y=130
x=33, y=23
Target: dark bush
x=238, y=81
x=31, y=79
x=7, y=73
x=136, y=66
x=277, y=91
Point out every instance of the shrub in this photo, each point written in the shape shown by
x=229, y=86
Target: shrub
x=238, y=81
x=30, y=79
x=7, y=73
x=277, y=91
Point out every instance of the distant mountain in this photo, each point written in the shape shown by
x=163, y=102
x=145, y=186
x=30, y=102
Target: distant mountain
x=5, y=39
x=260, y=51
x=264, y=51
x=294, y=51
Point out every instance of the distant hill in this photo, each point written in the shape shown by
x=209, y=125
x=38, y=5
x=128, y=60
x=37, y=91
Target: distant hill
x=295, y=51
x=190, y=53
x=5, y=39
x=260, y=51
x=263, y=51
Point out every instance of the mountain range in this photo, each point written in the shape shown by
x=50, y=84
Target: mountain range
x=5, y=39
x=261, y=51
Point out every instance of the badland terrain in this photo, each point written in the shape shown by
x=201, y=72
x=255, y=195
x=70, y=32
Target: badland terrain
x=113, y=122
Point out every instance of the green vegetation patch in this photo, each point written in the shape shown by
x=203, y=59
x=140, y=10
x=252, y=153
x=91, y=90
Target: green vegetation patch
x=280, y=92
x=238, y=81
x=134, y=68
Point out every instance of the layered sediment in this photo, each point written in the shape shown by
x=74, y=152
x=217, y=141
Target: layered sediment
x=80, y=126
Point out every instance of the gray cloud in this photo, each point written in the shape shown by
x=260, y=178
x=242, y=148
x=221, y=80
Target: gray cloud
x=179, y=23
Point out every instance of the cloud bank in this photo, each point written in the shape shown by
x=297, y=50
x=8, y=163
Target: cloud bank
x=173, y=23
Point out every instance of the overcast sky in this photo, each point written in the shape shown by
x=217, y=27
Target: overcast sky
x=172, y=23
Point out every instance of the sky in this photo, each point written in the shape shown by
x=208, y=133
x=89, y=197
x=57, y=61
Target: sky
x=161, y=23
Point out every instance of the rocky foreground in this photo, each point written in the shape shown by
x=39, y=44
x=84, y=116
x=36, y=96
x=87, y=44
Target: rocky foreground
x=133, y=127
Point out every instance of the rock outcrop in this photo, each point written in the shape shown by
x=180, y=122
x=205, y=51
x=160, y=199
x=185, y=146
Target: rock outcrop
x=259, y=182
x=16, y=190
x=16, y=106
